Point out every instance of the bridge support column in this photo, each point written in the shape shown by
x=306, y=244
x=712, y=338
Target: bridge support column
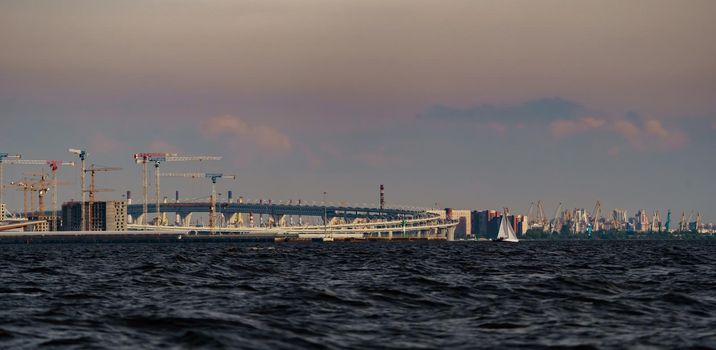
x=185, y=219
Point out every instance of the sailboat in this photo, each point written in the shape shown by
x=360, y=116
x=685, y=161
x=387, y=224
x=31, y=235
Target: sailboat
x=506, y=233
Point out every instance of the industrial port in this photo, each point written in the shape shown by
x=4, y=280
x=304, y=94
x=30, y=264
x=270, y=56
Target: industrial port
x=157, y=218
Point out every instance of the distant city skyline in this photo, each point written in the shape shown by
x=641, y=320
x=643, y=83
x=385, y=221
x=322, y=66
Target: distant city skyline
x=471, y=105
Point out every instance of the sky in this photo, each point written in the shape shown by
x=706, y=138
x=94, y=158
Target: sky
x=464, y=104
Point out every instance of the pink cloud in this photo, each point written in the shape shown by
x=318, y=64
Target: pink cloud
x=498, y=127
x=568, y=127
x=101, y=143
x=238, y=129
x=653, y=136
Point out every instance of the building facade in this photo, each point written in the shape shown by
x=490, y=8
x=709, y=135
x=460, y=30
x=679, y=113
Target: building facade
x=105, y=216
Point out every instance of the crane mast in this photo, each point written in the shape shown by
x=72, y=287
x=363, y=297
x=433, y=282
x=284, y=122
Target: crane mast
x=213, y=177
x=93, y=170
x=157, y=159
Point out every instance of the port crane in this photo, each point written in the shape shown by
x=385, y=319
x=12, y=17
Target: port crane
x=555, y=221
x=597, y=216
x=539, y=222
x=92, y=190
x=158, y=158
x=213, y=177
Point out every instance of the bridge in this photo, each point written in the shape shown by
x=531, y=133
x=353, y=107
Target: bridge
x=341, y=222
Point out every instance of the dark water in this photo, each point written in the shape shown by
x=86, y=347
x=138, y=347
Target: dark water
x=360, y=295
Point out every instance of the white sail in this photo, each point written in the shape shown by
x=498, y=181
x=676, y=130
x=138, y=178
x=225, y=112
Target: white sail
x=506, y=233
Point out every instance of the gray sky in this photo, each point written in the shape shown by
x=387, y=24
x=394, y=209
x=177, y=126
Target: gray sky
x=465, y=103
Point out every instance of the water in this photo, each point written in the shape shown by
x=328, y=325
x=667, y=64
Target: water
x=360, y=295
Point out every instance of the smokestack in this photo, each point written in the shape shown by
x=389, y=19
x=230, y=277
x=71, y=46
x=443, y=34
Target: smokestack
x=382, y=197
x=176, y=196
x=129, y=197
x=230, y=194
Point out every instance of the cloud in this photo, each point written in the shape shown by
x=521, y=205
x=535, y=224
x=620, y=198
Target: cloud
x=101, y=143
x=567, y=127
x=652, y=135
x=641, y=134
x=239, y=129
x=540, y=110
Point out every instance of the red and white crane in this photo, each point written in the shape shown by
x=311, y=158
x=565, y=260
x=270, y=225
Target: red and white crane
x=157, y=159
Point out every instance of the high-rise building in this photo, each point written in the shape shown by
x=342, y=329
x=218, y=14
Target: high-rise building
x=106, y=216
x=487, y=222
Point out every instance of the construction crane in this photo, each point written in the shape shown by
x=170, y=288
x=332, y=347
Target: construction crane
x=83, y=156
x=213, y=177
x=596, y=216
x=39, y=186
x=4, y=156
x=54, y=165
x=93, y=170
x=157, y=159
x=26, y=186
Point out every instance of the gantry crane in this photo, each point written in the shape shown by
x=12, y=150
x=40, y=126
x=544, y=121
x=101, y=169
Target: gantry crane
x=93, y=170
x=157, y=159
x=213, y=177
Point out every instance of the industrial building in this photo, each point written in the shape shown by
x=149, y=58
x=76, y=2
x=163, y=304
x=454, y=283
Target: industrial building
x=105, y=216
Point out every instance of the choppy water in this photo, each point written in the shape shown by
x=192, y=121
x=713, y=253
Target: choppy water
x=360, y=295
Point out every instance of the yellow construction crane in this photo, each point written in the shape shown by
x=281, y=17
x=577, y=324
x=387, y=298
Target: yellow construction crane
x=26, y=186
x=54, y=166
x=157, y=159
x=3, y=157
x=93, y=170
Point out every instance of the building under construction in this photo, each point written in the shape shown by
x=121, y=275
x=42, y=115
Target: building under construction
x=105, y=216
